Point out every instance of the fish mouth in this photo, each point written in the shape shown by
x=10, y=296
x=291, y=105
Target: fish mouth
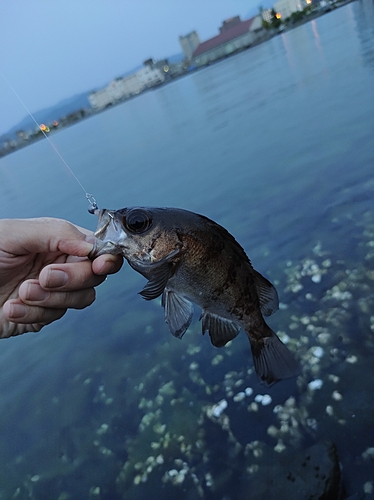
x=109, y=235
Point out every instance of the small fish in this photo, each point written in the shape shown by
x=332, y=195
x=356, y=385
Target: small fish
x=188, y=258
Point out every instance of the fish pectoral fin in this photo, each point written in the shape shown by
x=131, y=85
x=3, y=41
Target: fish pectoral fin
x=178, y=312
x=157, y=273
x=221, y=330
x=267, y=294
x=157, y=282
x=272, y=359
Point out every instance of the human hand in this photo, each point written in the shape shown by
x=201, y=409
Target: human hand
x=44, y=270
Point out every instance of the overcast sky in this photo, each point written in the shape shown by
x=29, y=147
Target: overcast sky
x=50, y=50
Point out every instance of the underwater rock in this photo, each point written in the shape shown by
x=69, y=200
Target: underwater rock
x=239, y=397
x=167, y=389
x=217, y=409
x=311, y=474
x=315, y=384
x=264, y=399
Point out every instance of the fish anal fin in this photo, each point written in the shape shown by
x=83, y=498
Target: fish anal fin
x=157, y=281
x=221, y=330
x=272, y=359
x=178, y=312
x=267, y=294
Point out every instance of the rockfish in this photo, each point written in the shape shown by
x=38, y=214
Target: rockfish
x=188, y=258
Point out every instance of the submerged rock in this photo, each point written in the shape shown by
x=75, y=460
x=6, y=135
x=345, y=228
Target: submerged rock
x=313, y=474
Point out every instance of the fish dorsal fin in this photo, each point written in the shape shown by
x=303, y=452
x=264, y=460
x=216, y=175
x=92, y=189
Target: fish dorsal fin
x=221, y=330
x=267, y=294
x=178, y=312
x=157, y=282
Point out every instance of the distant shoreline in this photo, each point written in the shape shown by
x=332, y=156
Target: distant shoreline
x=15, y=144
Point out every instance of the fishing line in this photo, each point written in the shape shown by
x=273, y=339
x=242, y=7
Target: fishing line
x=90, y=198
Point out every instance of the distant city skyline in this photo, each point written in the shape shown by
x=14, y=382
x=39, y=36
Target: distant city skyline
x=52, y=51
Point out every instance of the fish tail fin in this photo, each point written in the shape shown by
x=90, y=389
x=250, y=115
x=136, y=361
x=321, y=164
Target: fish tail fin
x=272, y=359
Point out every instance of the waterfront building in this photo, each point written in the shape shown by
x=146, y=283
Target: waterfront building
x=189, y=44
x=149, y=77
x=229, y=23
x=162, y=65
x=267, y=15
x=100, y=99
x=116, y=89
x=132, y=85
x=286, y=7
x=123, y=88
x=235, y=34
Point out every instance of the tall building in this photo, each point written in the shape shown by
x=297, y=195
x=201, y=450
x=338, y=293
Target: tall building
x=189, y=44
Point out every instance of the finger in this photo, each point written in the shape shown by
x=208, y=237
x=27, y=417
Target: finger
x=32, y=293
x=107, y=264
x=69, y=276
x=104, y=264
x=18, y=312
x=44, y=234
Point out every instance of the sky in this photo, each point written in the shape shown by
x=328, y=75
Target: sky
x=52, y=50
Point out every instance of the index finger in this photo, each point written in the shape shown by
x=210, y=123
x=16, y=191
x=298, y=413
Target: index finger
x=44, y=234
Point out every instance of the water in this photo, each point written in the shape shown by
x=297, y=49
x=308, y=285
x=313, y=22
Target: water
x=276, y=144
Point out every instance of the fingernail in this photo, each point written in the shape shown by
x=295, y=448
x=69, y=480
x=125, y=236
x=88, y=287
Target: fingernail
x=56, y=278
x=107, y=267
x=18, y=311
x=35, y=293
x=110, y=266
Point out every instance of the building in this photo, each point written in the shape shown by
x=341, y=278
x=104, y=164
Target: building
x=267, y=15
x=123, y=88
x=100, y=99
x=162, y=65
x=132, y=86
x=189, y=44
x=286, y=7
x=229, y=23
x=235, y=34
x=116, y=88
x=149, y=77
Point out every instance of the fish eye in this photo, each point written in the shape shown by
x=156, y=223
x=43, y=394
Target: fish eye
x=137, y=220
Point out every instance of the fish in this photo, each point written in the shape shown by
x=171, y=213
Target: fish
x=189, y=259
